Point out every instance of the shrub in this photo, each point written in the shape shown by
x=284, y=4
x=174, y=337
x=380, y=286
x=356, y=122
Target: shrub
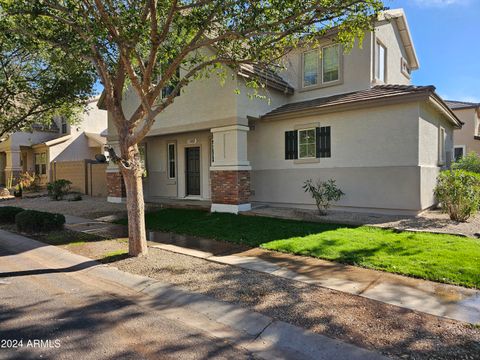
x=38, y=221
x=8, y=213
x=323, y=192
x=58, y=189
x=459, y=193
x=469, y=162
x=26, y=180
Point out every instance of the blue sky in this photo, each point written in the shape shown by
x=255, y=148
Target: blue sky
x=446, y=34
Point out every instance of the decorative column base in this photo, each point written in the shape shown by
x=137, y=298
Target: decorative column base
x=230, y=191
x=116, y=187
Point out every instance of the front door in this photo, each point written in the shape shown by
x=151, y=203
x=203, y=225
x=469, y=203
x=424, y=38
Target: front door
x=192, y=161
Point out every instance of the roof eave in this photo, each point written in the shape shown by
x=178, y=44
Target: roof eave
x=405, y=34
x=353, y=105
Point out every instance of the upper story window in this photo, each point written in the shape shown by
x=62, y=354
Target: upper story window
x=405, y=68
x=64, y=126
x=142, y=151
x=167, y=90
x=381, y=60
x=321, y=66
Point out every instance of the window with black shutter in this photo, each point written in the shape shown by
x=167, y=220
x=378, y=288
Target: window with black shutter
x=323, y=142
x=291, y=145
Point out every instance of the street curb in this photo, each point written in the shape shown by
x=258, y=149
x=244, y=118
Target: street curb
x=262, y=335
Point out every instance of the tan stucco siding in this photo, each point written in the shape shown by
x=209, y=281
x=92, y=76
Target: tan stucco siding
x=388, y=35
x=157, y=184
x=429, y=126
x=380, y=136
x=465, y=135
x=374, y=159
x=368, y=188
x=250, y=105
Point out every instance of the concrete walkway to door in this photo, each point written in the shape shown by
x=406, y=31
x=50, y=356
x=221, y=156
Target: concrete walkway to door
x=433, y=298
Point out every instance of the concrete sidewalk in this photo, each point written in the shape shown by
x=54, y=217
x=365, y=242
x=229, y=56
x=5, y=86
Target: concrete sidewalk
x=260, y=335
x=433, y=298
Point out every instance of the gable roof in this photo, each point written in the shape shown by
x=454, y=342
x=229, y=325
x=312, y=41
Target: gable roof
x=377, y=94
x=458, y=105
x=401, y=20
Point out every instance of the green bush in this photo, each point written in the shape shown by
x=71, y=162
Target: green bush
x=459, y=193
x=469, y=162
x=8, y=213
x=38, y=221
x=324, y=192
x=58, y=189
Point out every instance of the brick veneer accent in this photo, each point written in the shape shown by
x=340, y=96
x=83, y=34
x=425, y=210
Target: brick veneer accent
x=115, y=185
x=230, y=187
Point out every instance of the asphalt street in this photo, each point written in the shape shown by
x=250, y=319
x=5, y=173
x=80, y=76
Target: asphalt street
x=68, y=314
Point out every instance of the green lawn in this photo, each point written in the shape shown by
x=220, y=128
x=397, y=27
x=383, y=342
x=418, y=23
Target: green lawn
x=443, y=258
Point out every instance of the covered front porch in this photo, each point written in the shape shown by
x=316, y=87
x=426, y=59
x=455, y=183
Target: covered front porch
x=206, y=169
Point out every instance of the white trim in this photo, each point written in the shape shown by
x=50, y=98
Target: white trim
x=174, y=160
x=231, y=168
x=230, y=127
x=314, y=143
x=116, y=199
x=232, y=209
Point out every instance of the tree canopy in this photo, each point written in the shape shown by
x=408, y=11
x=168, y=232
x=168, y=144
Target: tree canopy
x=150, y=45
x=37, y=82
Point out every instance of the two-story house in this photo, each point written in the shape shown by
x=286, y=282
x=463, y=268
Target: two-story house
x=351, y=116
x=466, y=139
x=36, y=150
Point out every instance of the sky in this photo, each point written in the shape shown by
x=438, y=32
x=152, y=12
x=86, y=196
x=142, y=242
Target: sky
x=446, y=35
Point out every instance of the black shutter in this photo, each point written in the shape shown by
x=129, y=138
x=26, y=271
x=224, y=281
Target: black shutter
x=318, y=147
x=291, y=145
x=323, y=142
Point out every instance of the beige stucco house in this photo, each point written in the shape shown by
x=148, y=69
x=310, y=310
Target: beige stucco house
x=466, y=139
x=36, y=151
x=353, y=117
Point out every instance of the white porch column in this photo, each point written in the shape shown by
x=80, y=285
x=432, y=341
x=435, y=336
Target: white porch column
x=230, y=170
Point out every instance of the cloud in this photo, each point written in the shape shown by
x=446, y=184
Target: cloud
x=440, y=3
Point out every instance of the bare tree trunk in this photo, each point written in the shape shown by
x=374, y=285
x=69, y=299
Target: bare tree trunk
x=137, y=240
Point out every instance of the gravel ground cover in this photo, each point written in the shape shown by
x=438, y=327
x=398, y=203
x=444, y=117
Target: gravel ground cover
x=396, y=332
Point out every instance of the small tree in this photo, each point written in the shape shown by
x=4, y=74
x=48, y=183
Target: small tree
x=150, y=45
x=324, y=192
x=458, y=191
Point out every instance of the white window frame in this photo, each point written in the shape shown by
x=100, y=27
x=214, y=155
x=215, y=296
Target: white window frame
x=406, y=71
x=442, y=146
x=314, y=143
x=319, y=58
x=174, y=160
x=42, y=164
x=464, y=151
x=379, y=45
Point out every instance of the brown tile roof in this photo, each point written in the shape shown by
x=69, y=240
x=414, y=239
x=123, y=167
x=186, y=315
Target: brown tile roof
x=375, y=93
x=267, y=77
x=456, y=105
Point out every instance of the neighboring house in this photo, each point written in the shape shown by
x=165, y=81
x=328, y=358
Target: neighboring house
x=466, y=139
x=36, y=151
x=352, y=117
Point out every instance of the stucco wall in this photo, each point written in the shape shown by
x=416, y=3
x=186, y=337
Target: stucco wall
x=465, y=135
x=374, y=159
x=356, y=72
x=387, y=33
x=429, y=125
x=157, y=184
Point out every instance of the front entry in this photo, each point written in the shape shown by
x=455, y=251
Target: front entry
x=192, y=172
